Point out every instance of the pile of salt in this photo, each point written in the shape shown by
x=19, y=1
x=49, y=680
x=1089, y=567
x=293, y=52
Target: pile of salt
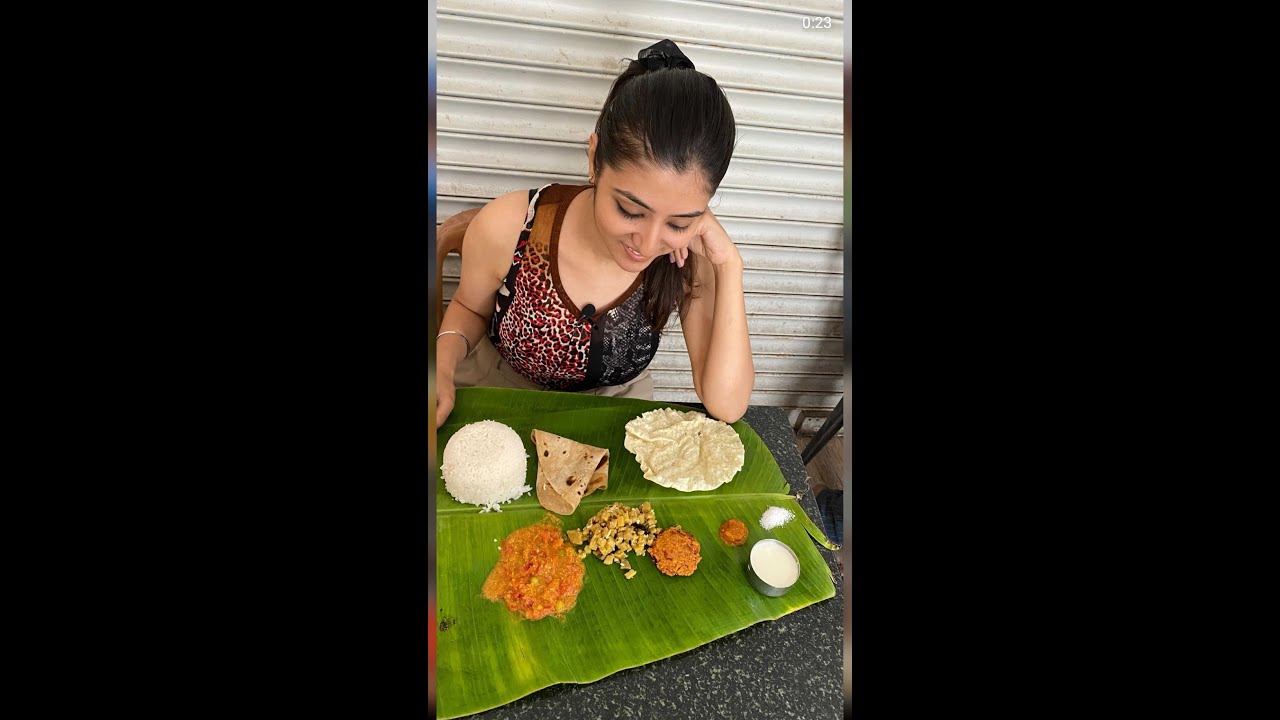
x=775, y=516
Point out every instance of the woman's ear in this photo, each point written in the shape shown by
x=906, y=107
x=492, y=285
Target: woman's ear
x=591, y=157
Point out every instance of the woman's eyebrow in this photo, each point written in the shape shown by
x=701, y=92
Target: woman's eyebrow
x=642, y=204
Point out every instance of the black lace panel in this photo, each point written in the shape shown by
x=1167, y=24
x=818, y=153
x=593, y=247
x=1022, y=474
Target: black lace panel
x=627, y=342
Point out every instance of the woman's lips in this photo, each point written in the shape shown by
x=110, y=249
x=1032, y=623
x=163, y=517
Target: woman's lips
x=634, y=255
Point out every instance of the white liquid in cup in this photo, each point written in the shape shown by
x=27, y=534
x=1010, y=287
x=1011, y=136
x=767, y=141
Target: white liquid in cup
x=773, y=563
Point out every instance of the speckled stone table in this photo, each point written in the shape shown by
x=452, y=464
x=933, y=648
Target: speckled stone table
x=785, y=668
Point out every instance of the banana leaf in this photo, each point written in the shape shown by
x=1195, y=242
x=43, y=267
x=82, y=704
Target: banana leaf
x=487, y=656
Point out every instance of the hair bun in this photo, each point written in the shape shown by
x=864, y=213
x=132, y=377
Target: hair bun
x=664, y=54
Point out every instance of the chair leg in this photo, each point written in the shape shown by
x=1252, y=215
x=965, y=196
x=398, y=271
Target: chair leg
x=828, y=430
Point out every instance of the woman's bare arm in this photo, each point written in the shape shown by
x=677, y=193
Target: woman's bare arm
x=486, y=258
x=715, y=326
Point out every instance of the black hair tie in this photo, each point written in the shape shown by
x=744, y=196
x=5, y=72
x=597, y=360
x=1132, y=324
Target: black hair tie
x=664, y=54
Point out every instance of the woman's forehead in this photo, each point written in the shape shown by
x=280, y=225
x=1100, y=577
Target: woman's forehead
x=663, y=190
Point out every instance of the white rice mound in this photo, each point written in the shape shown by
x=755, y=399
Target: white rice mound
x=485, y=464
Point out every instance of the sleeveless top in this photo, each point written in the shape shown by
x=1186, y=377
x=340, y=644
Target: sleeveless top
x=542, y=334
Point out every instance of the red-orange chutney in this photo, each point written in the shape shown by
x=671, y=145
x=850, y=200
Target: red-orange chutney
x=733, y=532
x=538, y=573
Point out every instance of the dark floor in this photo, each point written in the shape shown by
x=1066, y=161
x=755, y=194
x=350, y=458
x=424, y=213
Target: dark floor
x=827, y=469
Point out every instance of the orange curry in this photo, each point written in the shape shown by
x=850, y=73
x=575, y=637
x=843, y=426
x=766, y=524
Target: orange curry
x=538, y=573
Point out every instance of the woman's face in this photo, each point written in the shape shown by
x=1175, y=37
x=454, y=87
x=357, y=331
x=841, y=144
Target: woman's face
x=644, y=212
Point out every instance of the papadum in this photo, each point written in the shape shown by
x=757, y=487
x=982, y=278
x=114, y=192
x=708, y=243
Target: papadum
x=687, y=451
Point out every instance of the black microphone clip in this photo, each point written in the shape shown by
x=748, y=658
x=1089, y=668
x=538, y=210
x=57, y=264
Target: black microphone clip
x=588, y=311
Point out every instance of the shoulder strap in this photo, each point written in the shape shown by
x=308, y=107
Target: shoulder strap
x=553, y=204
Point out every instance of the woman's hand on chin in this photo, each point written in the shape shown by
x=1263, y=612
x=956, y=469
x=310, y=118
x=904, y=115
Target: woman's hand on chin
x=710, y=241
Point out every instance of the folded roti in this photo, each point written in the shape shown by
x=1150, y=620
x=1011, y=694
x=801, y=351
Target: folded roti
x=567, y=471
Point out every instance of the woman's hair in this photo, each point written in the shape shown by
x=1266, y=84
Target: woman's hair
x=662, y=111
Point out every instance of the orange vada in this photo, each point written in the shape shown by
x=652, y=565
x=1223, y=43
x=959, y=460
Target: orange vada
x=676, y=552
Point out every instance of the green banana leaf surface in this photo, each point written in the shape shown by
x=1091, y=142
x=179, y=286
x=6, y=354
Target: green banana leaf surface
x=487, y=656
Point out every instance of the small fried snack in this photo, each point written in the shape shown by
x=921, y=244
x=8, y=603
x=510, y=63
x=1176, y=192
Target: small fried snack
x=676, y=552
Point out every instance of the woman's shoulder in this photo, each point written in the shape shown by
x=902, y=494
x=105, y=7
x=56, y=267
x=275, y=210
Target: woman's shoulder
x=499, y=222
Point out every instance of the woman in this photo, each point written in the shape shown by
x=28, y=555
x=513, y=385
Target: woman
x=569, y=287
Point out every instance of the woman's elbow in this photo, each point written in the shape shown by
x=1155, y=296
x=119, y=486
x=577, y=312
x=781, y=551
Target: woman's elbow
x=729, y=406
x=730, y=412
x=729, y=416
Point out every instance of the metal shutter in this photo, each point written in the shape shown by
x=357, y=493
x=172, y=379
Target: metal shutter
x=519, y=86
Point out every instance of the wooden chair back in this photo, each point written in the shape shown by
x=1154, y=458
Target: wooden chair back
x=449, y=238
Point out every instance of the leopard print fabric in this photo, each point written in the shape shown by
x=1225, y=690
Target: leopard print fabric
x=537, y=332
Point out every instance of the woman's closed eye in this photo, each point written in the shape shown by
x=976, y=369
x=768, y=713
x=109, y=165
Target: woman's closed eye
x=637, y=216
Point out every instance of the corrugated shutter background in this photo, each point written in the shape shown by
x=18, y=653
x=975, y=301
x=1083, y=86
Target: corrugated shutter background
x=519, y=86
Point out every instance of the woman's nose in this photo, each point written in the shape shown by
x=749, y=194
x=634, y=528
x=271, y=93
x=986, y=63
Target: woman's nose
x=649, y=241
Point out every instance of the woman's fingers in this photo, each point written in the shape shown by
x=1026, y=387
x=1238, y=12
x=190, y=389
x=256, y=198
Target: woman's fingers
x=444, y=404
